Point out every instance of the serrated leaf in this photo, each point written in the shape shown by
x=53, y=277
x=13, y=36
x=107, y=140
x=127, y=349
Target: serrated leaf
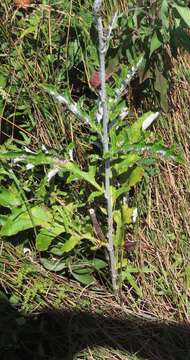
x=87, y=176
x=8, y=155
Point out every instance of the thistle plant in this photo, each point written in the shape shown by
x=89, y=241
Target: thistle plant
x=123, y=150
x=103, y=45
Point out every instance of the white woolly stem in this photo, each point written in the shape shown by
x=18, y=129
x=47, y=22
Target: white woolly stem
x=110, y=28
x=128, y=79
x=103, y=99
x=72, y=106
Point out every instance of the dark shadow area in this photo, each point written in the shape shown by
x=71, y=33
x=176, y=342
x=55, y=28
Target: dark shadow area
x=61, y=335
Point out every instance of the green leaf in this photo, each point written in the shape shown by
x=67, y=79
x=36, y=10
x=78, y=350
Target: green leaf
x=57, y=249
x=135, y=131
x=135, y=176
x=3, y=219
x=184, y=13
x=155, y=43
x=3, y=81
x=181, y=38
x=98, y=264
x=187, y=277
x=9, y=155
x=82, y=269
x=73, y=52
x=89, y=266
x=119, y=230
x=94, y=195
x=164, y=15
x=161, y=85
x=14, y=299
x=87, y=176
x=85, y=279
x=46, y=236
x=10, y=197
x=53, y=265
x=74, y=240
x=126, y=275
x=21, y=220
x=41, y=158
x=64, y=215
x=127, y=214
x=71, y=243
x=3, y=297
x=123, y=165
x=118, y=192
x=25, y=157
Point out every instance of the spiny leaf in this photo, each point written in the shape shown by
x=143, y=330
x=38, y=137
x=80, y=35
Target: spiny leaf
x=88, y=176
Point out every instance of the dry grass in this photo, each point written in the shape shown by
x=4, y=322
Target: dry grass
x=163, y=240
x=82, y=323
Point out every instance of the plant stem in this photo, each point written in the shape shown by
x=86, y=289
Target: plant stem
x=103, y=97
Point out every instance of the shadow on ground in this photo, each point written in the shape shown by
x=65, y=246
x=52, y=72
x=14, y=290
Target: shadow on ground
x=61, y=335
